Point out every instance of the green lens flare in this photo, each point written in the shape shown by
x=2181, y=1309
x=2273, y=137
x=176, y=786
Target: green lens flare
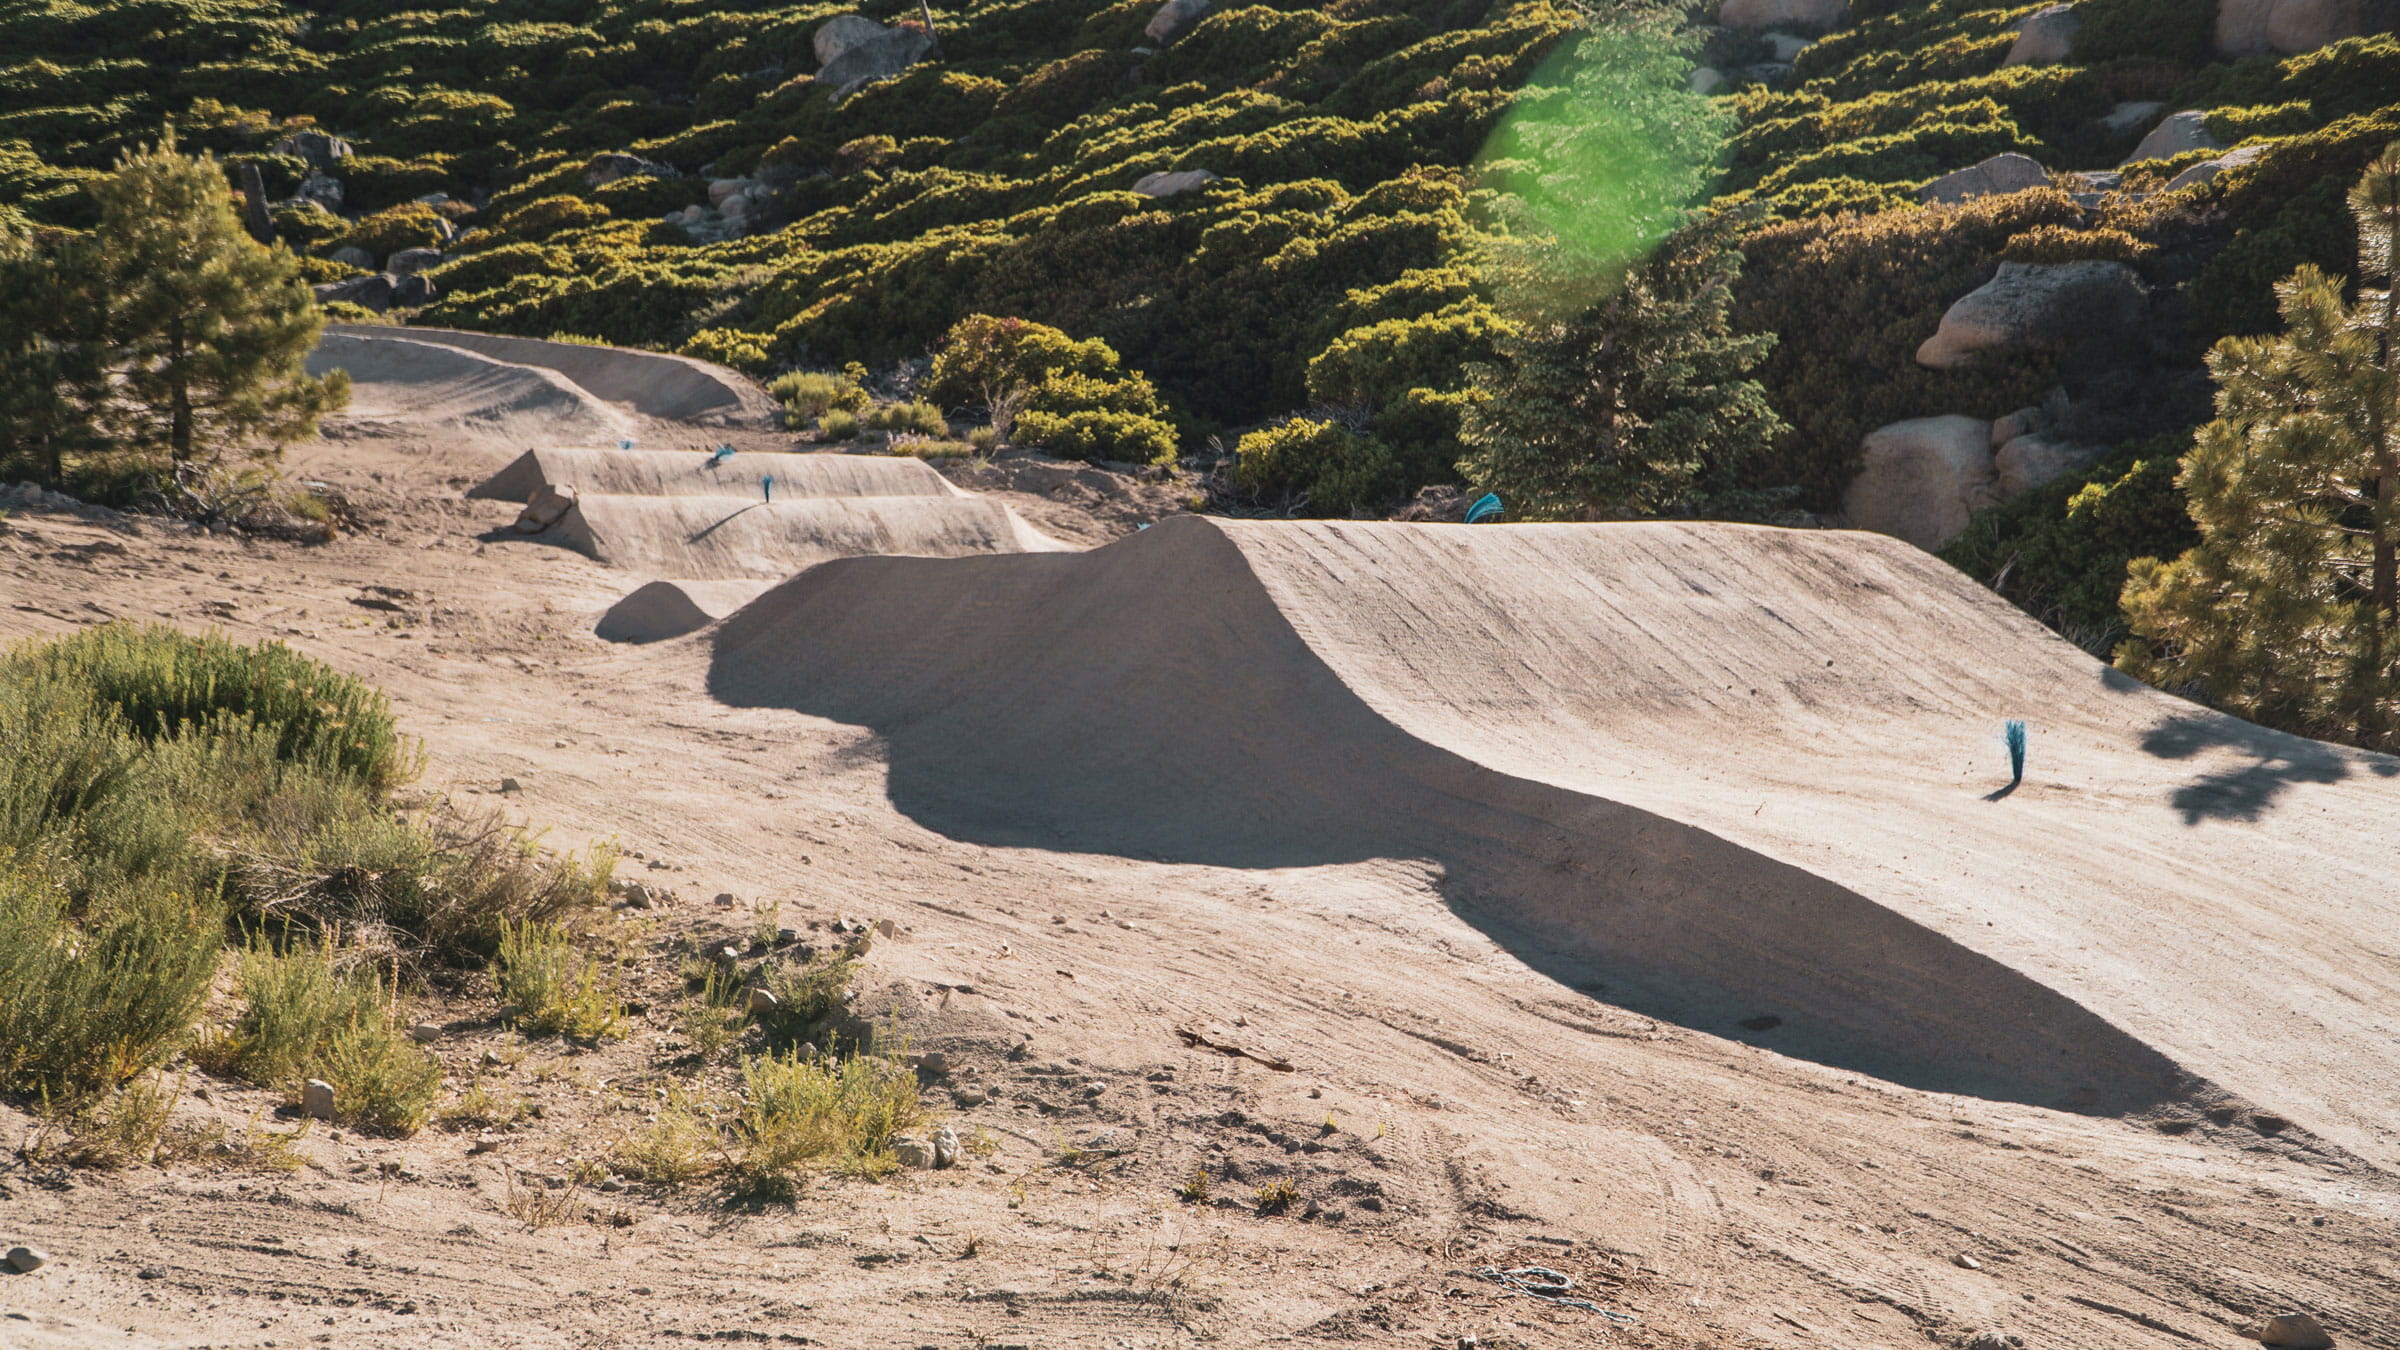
x=1607, y=149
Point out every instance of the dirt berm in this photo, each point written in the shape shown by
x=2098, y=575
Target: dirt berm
x=652, y=383
x=394, y=379
x=1749, y=780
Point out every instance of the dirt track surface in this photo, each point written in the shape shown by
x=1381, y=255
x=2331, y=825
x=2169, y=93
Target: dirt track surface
x=1461, y=1097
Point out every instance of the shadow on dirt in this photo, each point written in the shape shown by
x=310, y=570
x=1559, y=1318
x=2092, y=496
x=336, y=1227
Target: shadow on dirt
x=1165, y=711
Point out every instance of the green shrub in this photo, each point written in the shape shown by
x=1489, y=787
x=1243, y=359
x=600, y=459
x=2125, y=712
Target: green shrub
x=807, y=395
x=1097, y=434
x=551, y=987
x=315, y=1012
x=838, y=425
x=2059, y=551
x=2181, y=31
x=808, y=995
x=86, y=1005
x=1866, y=292
x=987, y=362
x=1338, y=471
x=412, y=225
x=162, y=681
x=913, y=416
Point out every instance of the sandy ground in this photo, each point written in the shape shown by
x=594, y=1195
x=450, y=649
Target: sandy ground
x=1451, y=1107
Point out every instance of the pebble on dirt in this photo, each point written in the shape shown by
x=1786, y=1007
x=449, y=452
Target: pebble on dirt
x=316, y=1099
x=26, y=1260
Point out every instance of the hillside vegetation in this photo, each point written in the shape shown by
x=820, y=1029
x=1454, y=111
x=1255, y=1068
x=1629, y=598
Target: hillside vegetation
x=674, y=176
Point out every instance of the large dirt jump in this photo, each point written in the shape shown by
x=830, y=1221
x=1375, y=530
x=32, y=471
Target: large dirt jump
x=1748, y=779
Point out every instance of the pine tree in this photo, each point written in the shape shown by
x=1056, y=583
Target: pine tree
x=2285, y=612
x=207, y=329
x=53, y=370
x=1624, y=382
x=1619, y=408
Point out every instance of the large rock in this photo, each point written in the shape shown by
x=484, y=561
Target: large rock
x=2195, y=175
x=2128, y=118
x=412, y=290
x=1174, y=19
x=1922, y=478
x=2254, y=27
x=2184, y=131
x=1163, y=184
x=841, y=33
x=2011, y=172
x=877, y=58
x=2045, y=38
x=2030, y=461
x=611, y=165
x=323, y=189
x=257, y=221
x=412, y=260
x=1707, y=79
x=1799, y=16
x=2032, y=303
x=1785, y=48
x=373, y=291
x=323, y=153
x=351, y=255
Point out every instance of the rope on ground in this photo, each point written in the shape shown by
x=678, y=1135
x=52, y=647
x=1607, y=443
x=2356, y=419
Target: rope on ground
x=1550, y=1287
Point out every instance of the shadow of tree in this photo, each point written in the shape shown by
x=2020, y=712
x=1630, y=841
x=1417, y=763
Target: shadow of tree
x=2279, y=762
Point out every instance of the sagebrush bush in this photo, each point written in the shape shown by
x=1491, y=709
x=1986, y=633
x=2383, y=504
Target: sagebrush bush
x=87, y=1004
x=838, y=425
x=807, y=395
x=162, y=680
x=911, y=416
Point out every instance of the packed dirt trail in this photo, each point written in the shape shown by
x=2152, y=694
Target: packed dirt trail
x=1471, y=1086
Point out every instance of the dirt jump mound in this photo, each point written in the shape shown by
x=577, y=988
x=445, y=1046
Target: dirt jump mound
x=1748, y=780
x=397, y=379
x=675, y=473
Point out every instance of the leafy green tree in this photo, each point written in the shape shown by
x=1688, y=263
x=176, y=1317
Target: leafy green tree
x=2285, y=610
x=1620, y=408
x=52, y=367
x=206, y=330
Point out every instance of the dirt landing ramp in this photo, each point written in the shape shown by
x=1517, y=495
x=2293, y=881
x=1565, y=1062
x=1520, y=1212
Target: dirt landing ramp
x=670, y=609
x=652, y=383
x=395, y=379
x=732, y=539
x=1739, y=775
x=686, y=473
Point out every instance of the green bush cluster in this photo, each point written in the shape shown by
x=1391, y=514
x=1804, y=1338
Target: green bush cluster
x=1047, y=390
x=157, y=789
x=2059, y=551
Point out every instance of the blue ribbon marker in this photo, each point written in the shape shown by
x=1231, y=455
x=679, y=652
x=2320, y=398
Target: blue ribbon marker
x=1485, y=508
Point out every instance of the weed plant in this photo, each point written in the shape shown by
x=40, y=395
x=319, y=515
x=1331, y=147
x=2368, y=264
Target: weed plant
x=314, y=1012
x=551, y=987
x=800, y=1114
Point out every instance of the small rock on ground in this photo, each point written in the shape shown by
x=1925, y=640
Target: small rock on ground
x=316, y=1099
x=26, y=1260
